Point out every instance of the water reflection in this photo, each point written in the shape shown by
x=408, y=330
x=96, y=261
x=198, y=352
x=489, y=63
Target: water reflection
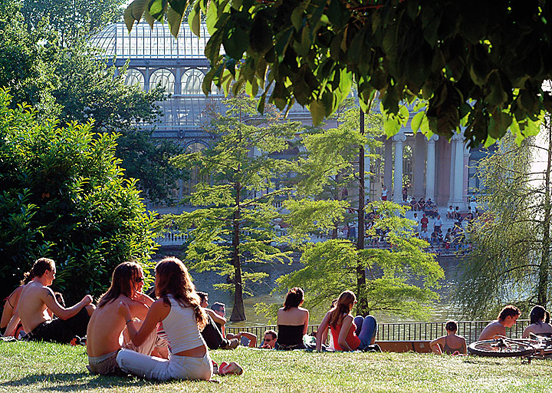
x=204, y=282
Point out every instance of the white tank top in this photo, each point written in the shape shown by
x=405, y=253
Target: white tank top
x=181, y=328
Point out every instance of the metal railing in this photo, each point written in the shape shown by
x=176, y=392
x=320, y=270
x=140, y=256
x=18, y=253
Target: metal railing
x=408, y=331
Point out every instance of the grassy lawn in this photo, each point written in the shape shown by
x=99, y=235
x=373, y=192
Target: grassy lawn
x=34, y=367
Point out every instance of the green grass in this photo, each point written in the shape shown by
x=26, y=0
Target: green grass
x=35, y=367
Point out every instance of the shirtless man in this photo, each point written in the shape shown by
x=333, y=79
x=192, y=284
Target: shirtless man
x=35, y=300
x=506, y=319
x=105, y=330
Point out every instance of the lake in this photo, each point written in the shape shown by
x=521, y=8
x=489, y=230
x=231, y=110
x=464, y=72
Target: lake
x=205, y=281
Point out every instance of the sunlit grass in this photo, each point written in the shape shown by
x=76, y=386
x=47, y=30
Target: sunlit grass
x=33, y=367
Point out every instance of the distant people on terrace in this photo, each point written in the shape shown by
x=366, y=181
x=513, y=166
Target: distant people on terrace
x=293, y=321
x=384, y=193
x=538, y=324
x=451, y=344
x=506, y=319
x=348, y=333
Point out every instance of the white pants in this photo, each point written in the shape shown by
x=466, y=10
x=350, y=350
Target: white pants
x=176, y=367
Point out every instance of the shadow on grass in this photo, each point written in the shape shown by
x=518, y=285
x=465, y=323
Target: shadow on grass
x=66, y=382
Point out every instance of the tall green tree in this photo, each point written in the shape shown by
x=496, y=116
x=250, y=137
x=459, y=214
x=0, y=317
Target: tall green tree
x=400, y=280
x=24, y=60
x=90, y=90
x=478, y=64
x=72, y=20
x=234, y=221
x=63, y=195
x=73, y=84
x=336, y=162
x=510, y=260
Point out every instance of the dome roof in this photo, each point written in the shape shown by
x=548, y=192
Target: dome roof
x=144, y=42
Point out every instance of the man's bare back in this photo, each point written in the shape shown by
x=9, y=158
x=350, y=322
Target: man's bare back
x=104, y=334
x=32, y=306
x=493, y=329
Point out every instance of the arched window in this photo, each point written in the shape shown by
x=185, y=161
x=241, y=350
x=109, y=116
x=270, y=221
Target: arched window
x=164, y=78
x=134, y=77
x=191, y=81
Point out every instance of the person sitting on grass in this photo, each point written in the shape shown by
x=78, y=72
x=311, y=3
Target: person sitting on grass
x=107, y=325
x=212, y=332
x=293, y=321
x=506, y=319
x=348, y=333
x=35, y=300
x=10, y=304
x=247, y=339
x=178, y=309
x=538, y=324
x=451, y=344
x=270, y=339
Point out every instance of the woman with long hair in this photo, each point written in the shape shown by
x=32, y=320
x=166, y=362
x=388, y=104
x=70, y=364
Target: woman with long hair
x=293, y=321
x=538, y=324
x=182, y=318
x=348, y=333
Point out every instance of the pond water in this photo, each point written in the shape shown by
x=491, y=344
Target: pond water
x=261, y=294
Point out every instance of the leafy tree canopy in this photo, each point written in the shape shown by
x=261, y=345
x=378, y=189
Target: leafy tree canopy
x=73, y=20
x=63, y=195
x=71, y=84
x=478, y=64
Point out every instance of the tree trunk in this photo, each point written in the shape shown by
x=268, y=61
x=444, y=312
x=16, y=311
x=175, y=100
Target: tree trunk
x=362, y=306
x=544, y=267
x=238, y=311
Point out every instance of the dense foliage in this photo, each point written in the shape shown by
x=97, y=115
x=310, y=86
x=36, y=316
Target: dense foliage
x=234, y=222
x=63, y=195
x=71, y=83
x=73, y=20
x=510, y=260
x=477, y=63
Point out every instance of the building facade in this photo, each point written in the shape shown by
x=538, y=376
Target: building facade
x=431, y=168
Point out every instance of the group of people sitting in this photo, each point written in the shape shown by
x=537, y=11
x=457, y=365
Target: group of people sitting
x=453, y=344
x=429, y=207
x=128, y=332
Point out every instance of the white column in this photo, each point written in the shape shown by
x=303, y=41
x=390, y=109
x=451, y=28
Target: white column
x=367, y=172
x=397, y=188
x=458, y=180
x=430, y=168
x=388, y=164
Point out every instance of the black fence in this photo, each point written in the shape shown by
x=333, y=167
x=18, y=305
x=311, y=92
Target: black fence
x=408, y=331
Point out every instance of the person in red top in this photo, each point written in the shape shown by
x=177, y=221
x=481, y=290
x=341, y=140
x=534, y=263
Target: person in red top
x=424, y=221
x=348, y=333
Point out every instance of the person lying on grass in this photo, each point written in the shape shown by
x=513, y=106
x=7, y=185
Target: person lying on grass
x=105, y=330
x=348, y=333
x=451, y=344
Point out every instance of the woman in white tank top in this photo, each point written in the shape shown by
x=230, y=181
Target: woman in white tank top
x=177, y=308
